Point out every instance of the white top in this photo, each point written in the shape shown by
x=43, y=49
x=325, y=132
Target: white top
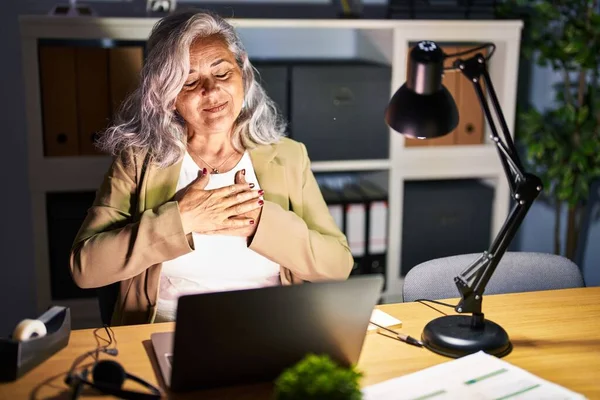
x=219, y=262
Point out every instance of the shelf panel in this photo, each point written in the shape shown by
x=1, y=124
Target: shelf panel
x=350, y=165
x=446, y=162
x=139, y=28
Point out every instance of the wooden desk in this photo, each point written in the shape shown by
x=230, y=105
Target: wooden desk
x=556, y=335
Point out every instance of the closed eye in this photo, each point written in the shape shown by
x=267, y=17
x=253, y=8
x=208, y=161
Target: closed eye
x=221, y=76
x=190, y=84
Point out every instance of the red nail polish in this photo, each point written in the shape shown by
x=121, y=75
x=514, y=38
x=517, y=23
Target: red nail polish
x=261, y=192
x=204, y=171
x=251, y=185
x=251, y=222
x=244, y=172
x=260, y=202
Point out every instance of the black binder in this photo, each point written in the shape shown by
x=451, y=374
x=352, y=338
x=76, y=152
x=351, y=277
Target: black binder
x=355, y=197
x=375, y=253
x=353, y=200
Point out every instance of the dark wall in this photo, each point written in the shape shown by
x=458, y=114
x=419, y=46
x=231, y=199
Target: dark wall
x=17, y=286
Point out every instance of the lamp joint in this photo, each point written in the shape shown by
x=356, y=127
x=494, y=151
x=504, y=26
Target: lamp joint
x=472, y=67
x=528, y=189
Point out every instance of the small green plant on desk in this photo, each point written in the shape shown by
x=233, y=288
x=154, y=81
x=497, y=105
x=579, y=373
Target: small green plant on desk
x=318, y=377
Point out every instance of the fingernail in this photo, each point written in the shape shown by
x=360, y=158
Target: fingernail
x=260, y=202
x=251, y=222
x=244, y=172
x=204, y=171
x=261, y=192
x=251, y=185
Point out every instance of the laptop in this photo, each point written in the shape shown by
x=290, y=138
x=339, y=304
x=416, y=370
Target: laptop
x=250, y=336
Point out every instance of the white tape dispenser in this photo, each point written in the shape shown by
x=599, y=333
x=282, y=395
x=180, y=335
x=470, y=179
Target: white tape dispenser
x=32, y=328
x=33, y=341
x=29, y=328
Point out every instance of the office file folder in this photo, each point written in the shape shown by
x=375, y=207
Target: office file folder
x=355, y=225
x=377, y=227
x=334, y=204
x=360, y=209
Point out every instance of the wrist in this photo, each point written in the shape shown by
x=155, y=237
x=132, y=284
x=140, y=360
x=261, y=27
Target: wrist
x=184, y=220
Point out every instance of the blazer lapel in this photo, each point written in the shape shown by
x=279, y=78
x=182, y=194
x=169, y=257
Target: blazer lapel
x=161, y=185
x=270, y=175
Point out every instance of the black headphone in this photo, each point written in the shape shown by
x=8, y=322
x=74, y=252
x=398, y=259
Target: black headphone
x=108, y=377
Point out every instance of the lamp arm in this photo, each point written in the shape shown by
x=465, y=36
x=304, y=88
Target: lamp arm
x=524, y=189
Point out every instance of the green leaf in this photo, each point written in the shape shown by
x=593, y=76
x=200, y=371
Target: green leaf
x=562, y=144
x=582, y=114
x=318, y=377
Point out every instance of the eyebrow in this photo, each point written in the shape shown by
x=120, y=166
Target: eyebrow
x=214, y=64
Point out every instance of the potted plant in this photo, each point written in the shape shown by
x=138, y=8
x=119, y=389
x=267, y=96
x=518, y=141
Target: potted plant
x=562, y=143
x=318, y=377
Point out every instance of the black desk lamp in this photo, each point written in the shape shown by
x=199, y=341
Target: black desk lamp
x=423, y=108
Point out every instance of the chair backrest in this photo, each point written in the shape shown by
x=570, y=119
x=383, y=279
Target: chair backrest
x=107, y=298
x=516, y=272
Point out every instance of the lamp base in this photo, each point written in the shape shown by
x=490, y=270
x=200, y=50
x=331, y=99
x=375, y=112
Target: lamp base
x=455, y=336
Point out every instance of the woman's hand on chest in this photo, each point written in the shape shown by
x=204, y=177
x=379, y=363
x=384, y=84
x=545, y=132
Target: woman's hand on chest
x=230, y=210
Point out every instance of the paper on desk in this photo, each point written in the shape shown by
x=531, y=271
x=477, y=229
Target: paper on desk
x=383, y=319
x=478, y=376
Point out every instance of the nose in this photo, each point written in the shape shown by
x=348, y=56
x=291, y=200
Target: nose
x=208, y=86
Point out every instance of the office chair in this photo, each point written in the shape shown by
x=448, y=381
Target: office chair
x=516, y=272
x=107, y=299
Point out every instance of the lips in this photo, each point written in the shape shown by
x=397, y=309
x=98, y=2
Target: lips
x=215, y=108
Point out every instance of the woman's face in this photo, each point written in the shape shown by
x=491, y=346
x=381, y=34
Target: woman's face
x=212, y=96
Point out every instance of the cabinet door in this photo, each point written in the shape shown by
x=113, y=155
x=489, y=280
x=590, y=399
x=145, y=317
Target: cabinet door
x=92, y=96
x=59, y=100
x=125, y=64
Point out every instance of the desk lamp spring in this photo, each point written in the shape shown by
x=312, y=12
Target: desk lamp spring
x=423, y=108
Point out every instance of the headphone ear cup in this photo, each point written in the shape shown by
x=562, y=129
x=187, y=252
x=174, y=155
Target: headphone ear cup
x=109, y=373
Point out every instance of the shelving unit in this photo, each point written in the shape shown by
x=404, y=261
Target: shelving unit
x=384, y=41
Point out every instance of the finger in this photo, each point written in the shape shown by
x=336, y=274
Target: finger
x=201, y=180
x=232, y=189
x=238, y=199
x=238, y=222
x=236, y=231
x=245, y=207
x=240, y=176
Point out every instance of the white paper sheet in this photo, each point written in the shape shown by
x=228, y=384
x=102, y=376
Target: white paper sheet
x=383, y=319
x=478, y=376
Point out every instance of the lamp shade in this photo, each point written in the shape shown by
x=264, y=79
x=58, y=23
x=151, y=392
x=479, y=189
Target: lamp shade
x=423, y=108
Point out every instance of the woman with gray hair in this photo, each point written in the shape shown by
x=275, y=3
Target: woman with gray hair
x=205, y=193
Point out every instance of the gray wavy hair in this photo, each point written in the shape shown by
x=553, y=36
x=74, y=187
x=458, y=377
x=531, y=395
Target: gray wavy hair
x=146, y=120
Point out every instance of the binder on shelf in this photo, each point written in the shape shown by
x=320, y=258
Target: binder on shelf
x=57, y=69
x=92, y=96
x=364, y=221
x=355, y=225
x=377, y=227
x=335, y=204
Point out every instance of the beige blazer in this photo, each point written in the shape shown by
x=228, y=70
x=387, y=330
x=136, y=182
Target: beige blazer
x=134, y=226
